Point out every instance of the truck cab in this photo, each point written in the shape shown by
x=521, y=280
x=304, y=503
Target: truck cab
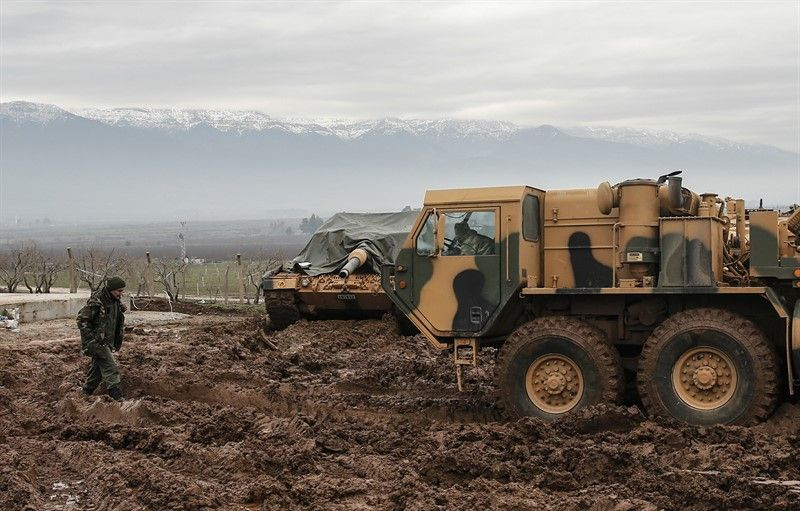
x=450, y=288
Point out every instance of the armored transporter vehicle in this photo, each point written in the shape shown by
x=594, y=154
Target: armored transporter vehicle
x=695, y=295
x=337, y=274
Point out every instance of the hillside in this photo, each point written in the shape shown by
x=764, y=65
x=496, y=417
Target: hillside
x=148, y=164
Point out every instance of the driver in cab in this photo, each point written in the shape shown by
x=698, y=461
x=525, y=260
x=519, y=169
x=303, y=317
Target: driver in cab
x=468, y=241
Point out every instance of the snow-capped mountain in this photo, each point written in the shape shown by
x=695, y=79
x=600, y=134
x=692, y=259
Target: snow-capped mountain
x=163, y=162
x=238, y=121
x=243, y=121
x=250, y=120
x=647, y=138
x=23, y=111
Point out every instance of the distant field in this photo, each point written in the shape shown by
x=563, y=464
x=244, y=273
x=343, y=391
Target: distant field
x=205, y=281
x=216, y=241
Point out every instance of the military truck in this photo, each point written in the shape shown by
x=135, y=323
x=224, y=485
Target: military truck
x=337, y=274
x=693, y=296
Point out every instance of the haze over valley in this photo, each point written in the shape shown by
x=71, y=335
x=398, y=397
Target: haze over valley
x=167, y=164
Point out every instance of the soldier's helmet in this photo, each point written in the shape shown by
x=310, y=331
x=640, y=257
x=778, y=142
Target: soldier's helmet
x=461, y=228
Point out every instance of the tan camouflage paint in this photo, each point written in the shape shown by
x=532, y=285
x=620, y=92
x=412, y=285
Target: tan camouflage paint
x=435, y=310
x=678, y=237
x=571, y=217
x=326, y=292
x=582, y=251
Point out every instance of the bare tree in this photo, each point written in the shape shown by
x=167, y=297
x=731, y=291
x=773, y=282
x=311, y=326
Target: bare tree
x=96, y=265
x=256, y=267
x=14, y=263
x=49, y=270
x=42, y=271
x=135, y=271
x=166, y=274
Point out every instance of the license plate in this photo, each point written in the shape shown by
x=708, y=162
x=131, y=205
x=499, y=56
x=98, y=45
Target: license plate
x=635, y=257
x=346, y=296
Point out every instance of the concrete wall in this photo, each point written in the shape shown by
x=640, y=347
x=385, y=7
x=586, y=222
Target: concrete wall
x=43, y=307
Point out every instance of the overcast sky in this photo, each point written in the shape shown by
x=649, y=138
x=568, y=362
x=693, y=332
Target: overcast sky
x=724, y=69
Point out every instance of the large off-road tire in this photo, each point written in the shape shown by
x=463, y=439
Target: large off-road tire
x=281, y=309
x=708, y=366
x=555, y=365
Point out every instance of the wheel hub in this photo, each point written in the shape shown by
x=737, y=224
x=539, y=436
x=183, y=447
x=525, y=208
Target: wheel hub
x=704, y=378
x=554, y=383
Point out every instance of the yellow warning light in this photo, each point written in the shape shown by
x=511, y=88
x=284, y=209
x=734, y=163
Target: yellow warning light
x=797, y=272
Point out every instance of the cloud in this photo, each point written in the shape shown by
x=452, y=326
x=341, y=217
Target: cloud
x=725, y=69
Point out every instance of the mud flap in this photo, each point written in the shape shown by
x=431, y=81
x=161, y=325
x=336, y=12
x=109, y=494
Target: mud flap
x=465, y=352
x=794, y=372
x=791, y=337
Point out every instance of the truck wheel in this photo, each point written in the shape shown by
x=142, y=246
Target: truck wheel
x=281, y=309
x=708, y=366
x=554, y=365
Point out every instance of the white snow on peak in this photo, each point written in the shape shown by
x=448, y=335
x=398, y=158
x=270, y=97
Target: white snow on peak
x=172, y=118
x=446, y=128
x=32, y=112
x=646, y=138
x=243, y=121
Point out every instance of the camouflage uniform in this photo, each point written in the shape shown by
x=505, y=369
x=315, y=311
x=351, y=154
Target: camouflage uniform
x=100, y=322
x=470, y=242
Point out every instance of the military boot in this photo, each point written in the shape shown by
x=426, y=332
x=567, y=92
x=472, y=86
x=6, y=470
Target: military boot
x=116, y=393
x=88, y=390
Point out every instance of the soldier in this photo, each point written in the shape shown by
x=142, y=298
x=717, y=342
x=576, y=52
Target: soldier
x=100, y=322
x=468, y=241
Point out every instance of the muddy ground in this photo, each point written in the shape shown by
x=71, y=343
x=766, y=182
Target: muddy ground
x=343, y=415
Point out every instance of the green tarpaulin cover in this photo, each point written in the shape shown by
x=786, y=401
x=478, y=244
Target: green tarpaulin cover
x=380, y=234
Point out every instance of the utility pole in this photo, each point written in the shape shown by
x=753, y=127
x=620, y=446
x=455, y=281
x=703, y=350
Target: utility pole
x=73, y=277
x=184, y=259
x=149, y=277
x=240, y=277
x=182, y=241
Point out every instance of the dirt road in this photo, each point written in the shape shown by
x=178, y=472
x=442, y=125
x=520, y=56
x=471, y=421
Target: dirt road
x=344, y=415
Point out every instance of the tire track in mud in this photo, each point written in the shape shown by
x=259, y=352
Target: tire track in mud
x=344, y=415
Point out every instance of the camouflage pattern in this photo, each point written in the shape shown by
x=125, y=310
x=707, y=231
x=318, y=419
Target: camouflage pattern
x=794, y=352
x=651, y=246
x=691, y=255
x=328, y=293
x=768, y=239
x=462, y=295
x=103, y=368
x=337, y=273
x=101, y=323
x=289, y=296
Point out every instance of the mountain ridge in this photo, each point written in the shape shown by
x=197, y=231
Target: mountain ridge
x=243, y=121
x=206, y=165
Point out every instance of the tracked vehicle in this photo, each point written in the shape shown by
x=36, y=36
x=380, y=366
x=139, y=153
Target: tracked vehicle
x=580, y=289
x=337, y=274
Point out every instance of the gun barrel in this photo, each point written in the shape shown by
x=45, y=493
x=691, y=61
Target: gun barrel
x=355, y=260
